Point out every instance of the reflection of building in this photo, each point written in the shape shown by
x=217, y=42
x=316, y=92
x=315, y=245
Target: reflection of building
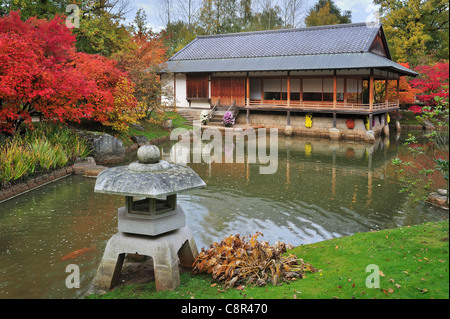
x=309, y=167
x=329, y=71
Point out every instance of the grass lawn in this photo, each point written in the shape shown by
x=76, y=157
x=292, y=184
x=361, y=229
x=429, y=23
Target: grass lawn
x=153, y=130
x=412, y=264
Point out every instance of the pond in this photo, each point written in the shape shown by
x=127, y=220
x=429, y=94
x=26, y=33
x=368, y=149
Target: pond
x=321, y=190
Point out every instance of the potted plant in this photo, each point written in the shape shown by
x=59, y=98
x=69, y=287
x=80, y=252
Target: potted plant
x=350, y=122
x=308, y=120
x=228, y=119
x=204, y=117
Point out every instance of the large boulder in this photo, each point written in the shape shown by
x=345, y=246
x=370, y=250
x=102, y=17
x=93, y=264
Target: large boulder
x=140, y=140
x=107, y=149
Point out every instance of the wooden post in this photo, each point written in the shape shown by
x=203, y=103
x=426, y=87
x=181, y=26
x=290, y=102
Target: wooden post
x=334, y=120
x=334, y=90
x=248, y=117
x=371, y=91
x=262, y=91
x=289, y=89
x=386, y=99
x=174, y=90
x=301, y=91
x=398, y=91
x=247, y=101
x=288, y=118
x=345, y=91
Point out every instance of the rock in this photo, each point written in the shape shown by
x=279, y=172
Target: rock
x=335, y=134
x=369, y=136
x=428, y=125
x=288, y=130
x=87, y=167
x=107, y=149
x=138, y=127
x=439, y=198
x=140, y=140
x=385, y=130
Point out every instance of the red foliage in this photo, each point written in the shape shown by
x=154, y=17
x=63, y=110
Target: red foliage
x=415, y=108
x=430, y=82
x=350, y=123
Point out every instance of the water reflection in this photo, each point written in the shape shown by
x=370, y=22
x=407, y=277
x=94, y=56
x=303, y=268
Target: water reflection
x=321, y=189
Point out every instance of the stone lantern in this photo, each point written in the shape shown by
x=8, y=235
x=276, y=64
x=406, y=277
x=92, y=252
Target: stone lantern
x=151, y=223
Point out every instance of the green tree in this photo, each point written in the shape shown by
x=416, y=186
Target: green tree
x=417, y=31
x=325, y=12
x=34, y=8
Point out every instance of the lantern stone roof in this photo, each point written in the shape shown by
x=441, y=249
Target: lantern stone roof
x=147, y=180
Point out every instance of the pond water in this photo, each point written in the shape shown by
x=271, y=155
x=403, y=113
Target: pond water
x=320, y=190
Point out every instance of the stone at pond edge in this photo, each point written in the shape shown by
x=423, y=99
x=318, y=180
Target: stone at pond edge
x=107, y=149
x=140, y=140
x=439, y=198
x=288, y=130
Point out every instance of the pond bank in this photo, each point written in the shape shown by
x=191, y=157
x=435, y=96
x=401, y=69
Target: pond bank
x=86, y=167
x=412, y=263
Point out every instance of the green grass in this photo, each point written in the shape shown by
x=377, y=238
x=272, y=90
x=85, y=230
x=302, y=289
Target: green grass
x=154, y=130
x=413, y=264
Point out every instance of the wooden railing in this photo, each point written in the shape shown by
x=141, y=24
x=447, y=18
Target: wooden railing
x=214, y=108
x=328, y=105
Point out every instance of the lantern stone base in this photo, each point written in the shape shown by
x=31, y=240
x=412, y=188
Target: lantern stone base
x=150, y=227
x=168, y=252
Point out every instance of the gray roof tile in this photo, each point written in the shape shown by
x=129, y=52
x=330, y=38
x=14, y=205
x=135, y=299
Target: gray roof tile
x=342, y=38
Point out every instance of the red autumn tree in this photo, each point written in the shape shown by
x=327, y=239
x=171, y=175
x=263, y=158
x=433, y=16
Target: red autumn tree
x=406, y=94
x=431, y=81
x=41, y=72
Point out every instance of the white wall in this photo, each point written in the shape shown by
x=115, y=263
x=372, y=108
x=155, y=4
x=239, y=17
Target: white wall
x=180, y=92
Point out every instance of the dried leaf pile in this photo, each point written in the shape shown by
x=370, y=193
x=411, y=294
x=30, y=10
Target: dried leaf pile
x=237, y=261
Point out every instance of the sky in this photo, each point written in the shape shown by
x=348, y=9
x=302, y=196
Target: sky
x=361, y=10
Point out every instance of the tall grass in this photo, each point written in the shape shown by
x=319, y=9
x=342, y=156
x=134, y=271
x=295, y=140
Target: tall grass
x=43, y=149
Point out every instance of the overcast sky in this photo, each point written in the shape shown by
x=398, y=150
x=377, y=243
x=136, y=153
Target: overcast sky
x=361, y=10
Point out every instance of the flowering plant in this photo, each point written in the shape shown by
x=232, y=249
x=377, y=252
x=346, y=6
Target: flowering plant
x=204, y=117
x=350, y=123
x=228, y=119
x=308, y=120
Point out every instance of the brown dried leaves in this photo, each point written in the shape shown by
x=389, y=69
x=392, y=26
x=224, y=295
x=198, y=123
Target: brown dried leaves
x=236, y=260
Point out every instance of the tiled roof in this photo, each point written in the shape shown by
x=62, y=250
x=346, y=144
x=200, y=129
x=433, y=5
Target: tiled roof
x=334, y=39
x=286, y=63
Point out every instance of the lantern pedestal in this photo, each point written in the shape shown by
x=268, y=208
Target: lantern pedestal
x=151, y=223
x=168, y=252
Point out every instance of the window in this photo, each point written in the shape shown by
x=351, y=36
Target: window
x=312, y=89
x=272, y=89
x=354, y=90
x=197, y=87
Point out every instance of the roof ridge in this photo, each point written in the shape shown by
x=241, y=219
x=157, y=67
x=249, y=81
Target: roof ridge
x=321, y=27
